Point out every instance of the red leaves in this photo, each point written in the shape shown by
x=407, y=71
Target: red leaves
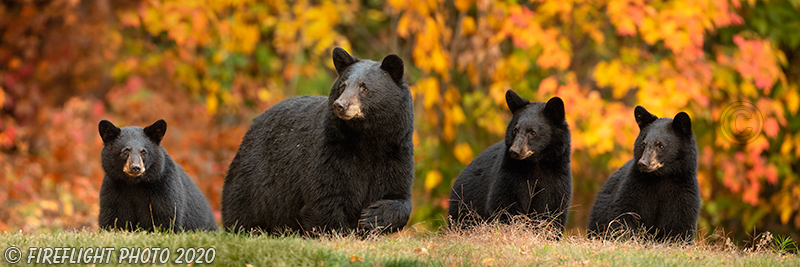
x=757, y=60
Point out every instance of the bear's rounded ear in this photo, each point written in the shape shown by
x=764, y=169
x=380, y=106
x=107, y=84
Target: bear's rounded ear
x=108, y=132
x=682, y=124
x=156, y=131
x=554, y=110
x=643, y=117
x=342, y=60
x=514, y=101
x=393, y=65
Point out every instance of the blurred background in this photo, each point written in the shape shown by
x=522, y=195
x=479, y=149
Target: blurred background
x=209, y=67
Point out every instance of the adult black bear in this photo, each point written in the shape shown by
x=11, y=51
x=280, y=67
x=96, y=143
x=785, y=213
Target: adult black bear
x=317, y=164
x=657, y=190
x=527, y=174
x=143, y=188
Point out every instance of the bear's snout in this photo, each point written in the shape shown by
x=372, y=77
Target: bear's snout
x=649, y=161
x=346, y=110
x=520, y=150
x=134, y=167
x=339, y=106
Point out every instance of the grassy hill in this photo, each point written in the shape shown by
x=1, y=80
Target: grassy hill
x=494, y=245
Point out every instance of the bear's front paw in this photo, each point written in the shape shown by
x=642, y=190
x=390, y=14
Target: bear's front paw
x=373, y=217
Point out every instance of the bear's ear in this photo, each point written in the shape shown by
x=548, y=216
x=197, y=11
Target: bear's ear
x=643, y=117
x=342, y=60
x=682, y=124
x=108, y=132
x=393, y=65
x=554, y=110
x=514, y=101
x=156, y=131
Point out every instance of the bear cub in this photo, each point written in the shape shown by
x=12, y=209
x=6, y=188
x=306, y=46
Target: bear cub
x=527, y=174
x=314, y=164
x=143, y=188
x=657, y=190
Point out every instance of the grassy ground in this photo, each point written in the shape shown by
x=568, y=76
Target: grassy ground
x=488, y=246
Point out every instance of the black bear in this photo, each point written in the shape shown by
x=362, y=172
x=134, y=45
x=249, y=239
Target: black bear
x=343, y=163
x=527, y=174
x=143, y=188
x=657, y=190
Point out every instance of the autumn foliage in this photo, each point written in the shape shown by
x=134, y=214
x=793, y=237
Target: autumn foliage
x=209, y=67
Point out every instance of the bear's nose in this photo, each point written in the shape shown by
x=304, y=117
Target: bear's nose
x=642, y=164
x=514, y=153
x=136, y=169
x=339, y=106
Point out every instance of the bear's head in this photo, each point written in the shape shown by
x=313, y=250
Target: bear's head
x=537, y=129
x=664, y=146
x=369, y=94
x=132, y=153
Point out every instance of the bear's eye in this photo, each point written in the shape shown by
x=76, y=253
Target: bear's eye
x=660, y=146
x=143, y=152
x=644, y=143
x=126, y=151
x=515, y=131
x=364, y=89
x=532, y=133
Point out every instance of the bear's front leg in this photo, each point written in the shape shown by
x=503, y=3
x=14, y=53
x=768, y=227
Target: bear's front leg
x=386, y=215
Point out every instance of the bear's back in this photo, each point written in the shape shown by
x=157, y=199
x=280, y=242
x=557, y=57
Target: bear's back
x=282, y=136
x=277, y=152
x=473, y=183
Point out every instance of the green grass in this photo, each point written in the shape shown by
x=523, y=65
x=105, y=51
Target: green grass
x=494, y=245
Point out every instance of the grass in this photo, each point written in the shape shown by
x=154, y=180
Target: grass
x=488, y=245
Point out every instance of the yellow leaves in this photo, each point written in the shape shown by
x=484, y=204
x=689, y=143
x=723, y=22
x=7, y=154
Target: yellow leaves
x=376, y=15
x=487, y=260
x=468, y=26
x=2, y=96
x=430, y=88
x=626, y=16
x=398, y=5
x=219, y=57
x=787, y=145
x=421, y=251
x=463, y=5
x=49, y=205
x=264, y=94
x=244, y=38
x=463, y=153
x=356, y=258
x=318, y=23
x=432, y=179
x=615, y=75
x=549, y=9
x=404, y=25
x=792, y=100
x=553, y=55
x=786, y=209
x=457, y=114
x=212, y=103
x=428, y=53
